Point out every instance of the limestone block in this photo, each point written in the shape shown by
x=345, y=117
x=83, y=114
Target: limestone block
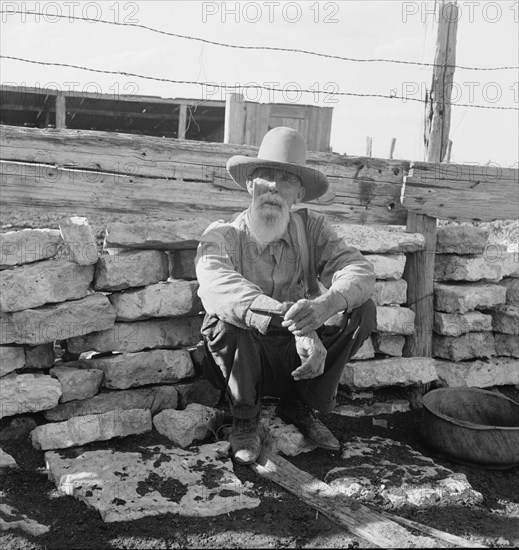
x=154, y=398
x=467, y=346
x=496, y=371
x=77, y=383
x=387, y=267
x=80, y=241
x=197, y=390
x=395, y=371
x=182, y=264
x=158, y=480
x=96, y=427
x=28, y=245
x=158, y=235
x=173, y=298
x=390, y=292
x=183, y=427
x=365, y=351
x=40, y=357
x=378, y=240
x=21, y=393
x=395, y=320
x=155, y=333
x=512, y=290
x=128, y=370
x=11, y=358
x=462, y=298
x=39, y=283
x=389, y=345
x=505, y=319
x=449, y=267
x=57, y=321
x=130, y=269
x=461, y=239
x=7, y=462
x=456, y=324
x=510, y=264
x=507, y=344
x=11, y=518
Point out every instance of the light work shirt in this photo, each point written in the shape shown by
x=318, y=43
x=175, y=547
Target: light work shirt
x=236, y=273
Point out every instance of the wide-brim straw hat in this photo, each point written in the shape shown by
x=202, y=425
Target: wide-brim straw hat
x=282, y=148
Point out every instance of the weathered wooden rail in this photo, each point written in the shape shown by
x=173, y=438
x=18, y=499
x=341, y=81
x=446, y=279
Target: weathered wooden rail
x=72, y=171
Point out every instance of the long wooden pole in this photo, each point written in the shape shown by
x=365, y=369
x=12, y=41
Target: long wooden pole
x=419, y=272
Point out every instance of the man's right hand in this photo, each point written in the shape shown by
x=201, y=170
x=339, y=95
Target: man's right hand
x=313, y=355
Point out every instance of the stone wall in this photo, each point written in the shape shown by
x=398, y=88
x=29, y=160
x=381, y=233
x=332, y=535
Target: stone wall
x=476, y=320
x=106, y=345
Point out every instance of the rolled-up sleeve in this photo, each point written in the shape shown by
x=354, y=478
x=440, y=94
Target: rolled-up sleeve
x=339, y=266
x=223, y=290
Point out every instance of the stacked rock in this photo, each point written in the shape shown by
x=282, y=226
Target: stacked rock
x=124, y=305
x=379, y=362
x=476, y=320
x=45, y=295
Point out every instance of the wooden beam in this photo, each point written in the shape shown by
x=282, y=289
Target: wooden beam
x=462, y=193
x=61, y=112
x=206, y=189
x=182, y=122
x=381, y=529
x=234, y=129
x=419, y=270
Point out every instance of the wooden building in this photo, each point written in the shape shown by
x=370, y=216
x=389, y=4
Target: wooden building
x=231, y=121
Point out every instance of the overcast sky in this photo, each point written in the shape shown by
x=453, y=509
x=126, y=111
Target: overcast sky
x=488, y=36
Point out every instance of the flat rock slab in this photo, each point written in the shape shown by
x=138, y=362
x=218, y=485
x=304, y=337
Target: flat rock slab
x=472, y=345
x=388, y=473
x=11, y=358
x=390, y=292
x=28, y=245
x=124, y=486
x=389, y=266
x=395, y=320
x=158, y=235
x=378, y=240
x=467, y=297
x=456, y=324
x=512, y=290
x=80, y=240
x=461, y=239
x=496, y=371
x=382, y=407
x=507, y=344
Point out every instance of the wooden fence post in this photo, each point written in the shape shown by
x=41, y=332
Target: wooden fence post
x=61, y=112
x=234, y=129
x=419, y=271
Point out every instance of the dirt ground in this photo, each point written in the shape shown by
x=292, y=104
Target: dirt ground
x=280, y=521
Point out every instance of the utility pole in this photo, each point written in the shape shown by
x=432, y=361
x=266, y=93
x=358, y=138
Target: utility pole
x=419, y=272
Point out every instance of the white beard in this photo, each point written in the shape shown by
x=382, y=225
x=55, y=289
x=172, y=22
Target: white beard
x=268, y=223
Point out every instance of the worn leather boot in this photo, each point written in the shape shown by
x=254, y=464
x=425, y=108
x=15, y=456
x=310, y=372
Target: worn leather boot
x=245, y=440
x=304, y=418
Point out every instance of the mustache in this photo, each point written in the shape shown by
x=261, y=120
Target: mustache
x=270, y=199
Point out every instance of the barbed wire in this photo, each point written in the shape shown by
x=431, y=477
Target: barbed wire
x=250, y=86
x=266, y=48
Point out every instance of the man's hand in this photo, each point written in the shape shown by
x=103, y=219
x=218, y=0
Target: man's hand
x=306, y=316
x=312, y=353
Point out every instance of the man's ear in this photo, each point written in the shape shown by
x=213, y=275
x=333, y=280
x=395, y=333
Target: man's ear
x=250, y=186
x=300, y=194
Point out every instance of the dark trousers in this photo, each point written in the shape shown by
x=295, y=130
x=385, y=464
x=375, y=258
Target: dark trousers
x=249, y=365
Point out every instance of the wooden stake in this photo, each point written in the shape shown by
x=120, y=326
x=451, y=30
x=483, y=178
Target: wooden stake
x=61, y=113
x=182, y=120
x=368, y=147
x=392, y=147
x=419, y=271
x=234, y=129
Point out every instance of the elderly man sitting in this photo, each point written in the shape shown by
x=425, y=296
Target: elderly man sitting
x=268, y=328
